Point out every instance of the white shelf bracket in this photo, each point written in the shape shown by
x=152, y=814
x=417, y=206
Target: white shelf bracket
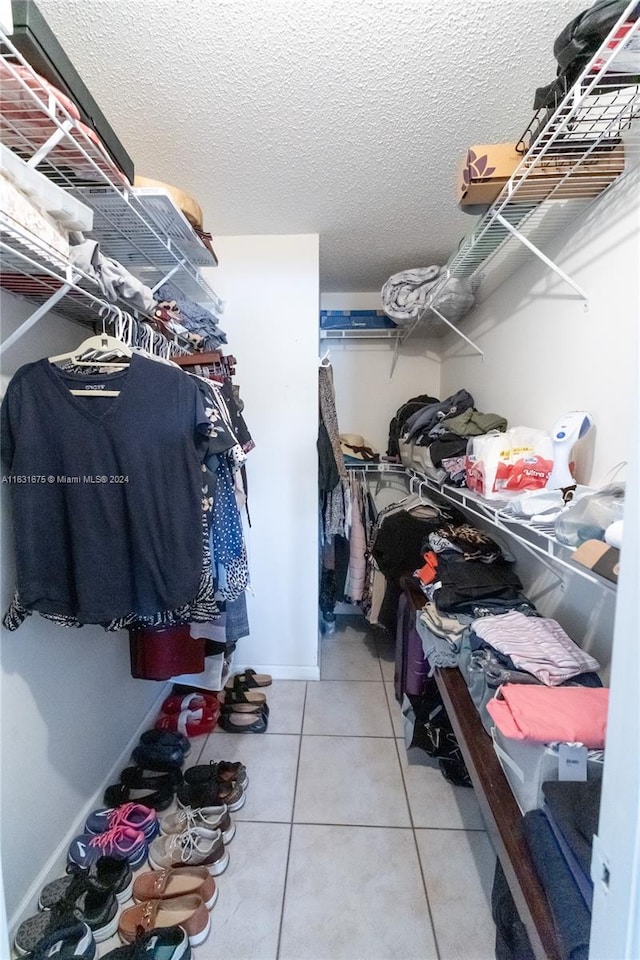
x=458, y=333
x=53, y=141
x=541, y=256
x=35, y=316
x=168, y=276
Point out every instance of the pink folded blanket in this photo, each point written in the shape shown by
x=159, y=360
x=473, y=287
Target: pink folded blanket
x=549, y=714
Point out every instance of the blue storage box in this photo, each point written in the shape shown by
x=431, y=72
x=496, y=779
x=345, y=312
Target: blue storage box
x=355, y=320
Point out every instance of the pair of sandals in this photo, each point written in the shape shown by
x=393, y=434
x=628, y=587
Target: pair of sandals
x=245, y=708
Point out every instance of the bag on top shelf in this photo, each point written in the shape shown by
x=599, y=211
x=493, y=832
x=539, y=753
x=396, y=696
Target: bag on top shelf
x=501, y=464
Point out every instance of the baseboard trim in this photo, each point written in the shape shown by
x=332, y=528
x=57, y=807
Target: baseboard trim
x=280, y=671
x=55, y=865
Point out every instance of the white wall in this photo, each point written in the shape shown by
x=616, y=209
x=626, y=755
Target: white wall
x=545, y=353
x=367, y=397
x=270, y=284
x=69, y=704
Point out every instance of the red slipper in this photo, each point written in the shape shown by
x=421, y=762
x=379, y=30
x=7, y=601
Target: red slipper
x=190, y=701
x=191, y=723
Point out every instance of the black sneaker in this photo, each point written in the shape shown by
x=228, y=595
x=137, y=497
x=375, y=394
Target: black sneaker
x=107, y=872
x=163, y=943
x=84, y=901
x=73, y=942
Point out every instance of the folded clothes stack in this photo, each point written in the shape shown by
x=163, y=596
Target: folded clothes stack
x=194, y=317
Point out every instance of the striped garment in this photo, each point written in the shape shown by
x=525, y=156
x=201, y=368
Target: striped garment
x=537, y=645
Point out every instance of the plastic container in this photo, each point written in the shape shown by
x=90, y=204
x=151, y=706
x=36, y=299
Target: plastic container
x=65, y=209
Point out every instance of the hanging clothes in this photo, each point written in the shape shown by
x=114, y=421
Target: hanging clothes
x=336, y=501
x=114, y=525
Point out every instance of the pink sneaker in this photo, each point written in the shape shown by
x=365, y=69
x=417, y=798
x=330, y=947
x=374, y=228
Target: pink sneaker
x=123, y=843
x=133, y=815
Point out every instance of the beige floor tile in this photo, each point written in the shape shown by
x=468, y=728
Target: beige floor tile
x=396, y=713
x=349, y=661
x=349, y=708
x=271, y=761
x=246, y=918
x=286, y=705
x=435, y=802
x=386, y=647
x=350, y=780
x=458, y=868
x=350, y=627
x=354, y=893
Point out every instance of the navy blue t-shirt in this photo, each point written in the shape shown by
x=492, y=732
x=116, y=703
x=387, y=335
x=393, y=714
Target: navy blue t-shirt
x=106, y=491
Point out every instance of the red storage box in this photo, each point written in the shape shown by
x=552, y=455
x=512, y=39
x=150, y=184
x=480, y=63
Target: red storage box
x=159, y=653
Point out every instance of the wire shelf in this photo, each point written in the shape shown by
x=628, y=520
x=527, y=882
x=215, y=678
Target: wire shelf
x=360, y=333
x=29, y=268
x=124, y=225
x=589, y=143
x=149, y=236
x=532, y=538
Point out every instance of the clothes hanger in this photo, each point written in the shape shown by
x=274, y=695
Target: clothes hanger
x=90, y=352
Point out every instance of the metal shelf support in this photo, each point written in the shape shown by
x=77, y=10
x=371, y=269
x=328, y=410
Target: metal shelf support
x=541, y=256
x=36, y=315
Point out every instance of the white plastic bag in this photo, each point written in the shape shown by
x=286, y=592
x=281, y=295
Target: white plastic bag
x=502, y=464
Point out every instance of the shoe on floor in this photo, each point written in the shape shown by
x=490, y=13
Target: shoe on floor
x=72, y=942
x=212, y=818
x=176, y=703
x=187, y=912
x=123, y=843
x=176, y=882
x=84, y=902
x=249, y=679
x=194, y=723
x=244, y=722
x=157, y=799
x=168, y=943
x=158, y=756
x=140, y=779
x=107, y=872
x=217, y=771
x=133, y=815
x=240, y=695
x=211, y=794
x=166, y=738
x=198, y=847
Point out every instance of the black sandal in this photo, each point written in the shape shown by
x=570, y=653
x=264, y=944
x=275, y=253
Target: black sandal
x=249, y=679
x=244, y=722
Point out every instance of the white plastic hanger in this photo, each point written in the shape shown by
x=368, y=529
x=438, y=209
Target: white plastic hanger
x=90, y=353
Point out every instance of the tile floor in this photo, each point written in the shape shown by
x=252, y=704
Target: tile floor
x=344, y=850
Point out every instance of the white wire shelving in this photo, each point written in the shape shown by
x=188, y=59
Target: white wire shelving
x=144, y=230
x=33, y=270
x=548, y=549
x=590, y=142
x=360, y=333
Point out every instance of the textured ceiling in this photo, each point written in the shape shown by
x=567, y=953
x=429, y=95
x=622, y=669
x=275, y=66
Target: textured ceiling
x=343, y=117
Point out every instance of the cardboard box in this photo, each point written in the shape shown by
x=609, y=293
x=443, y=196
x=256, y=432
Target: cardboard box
x=488, y=166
